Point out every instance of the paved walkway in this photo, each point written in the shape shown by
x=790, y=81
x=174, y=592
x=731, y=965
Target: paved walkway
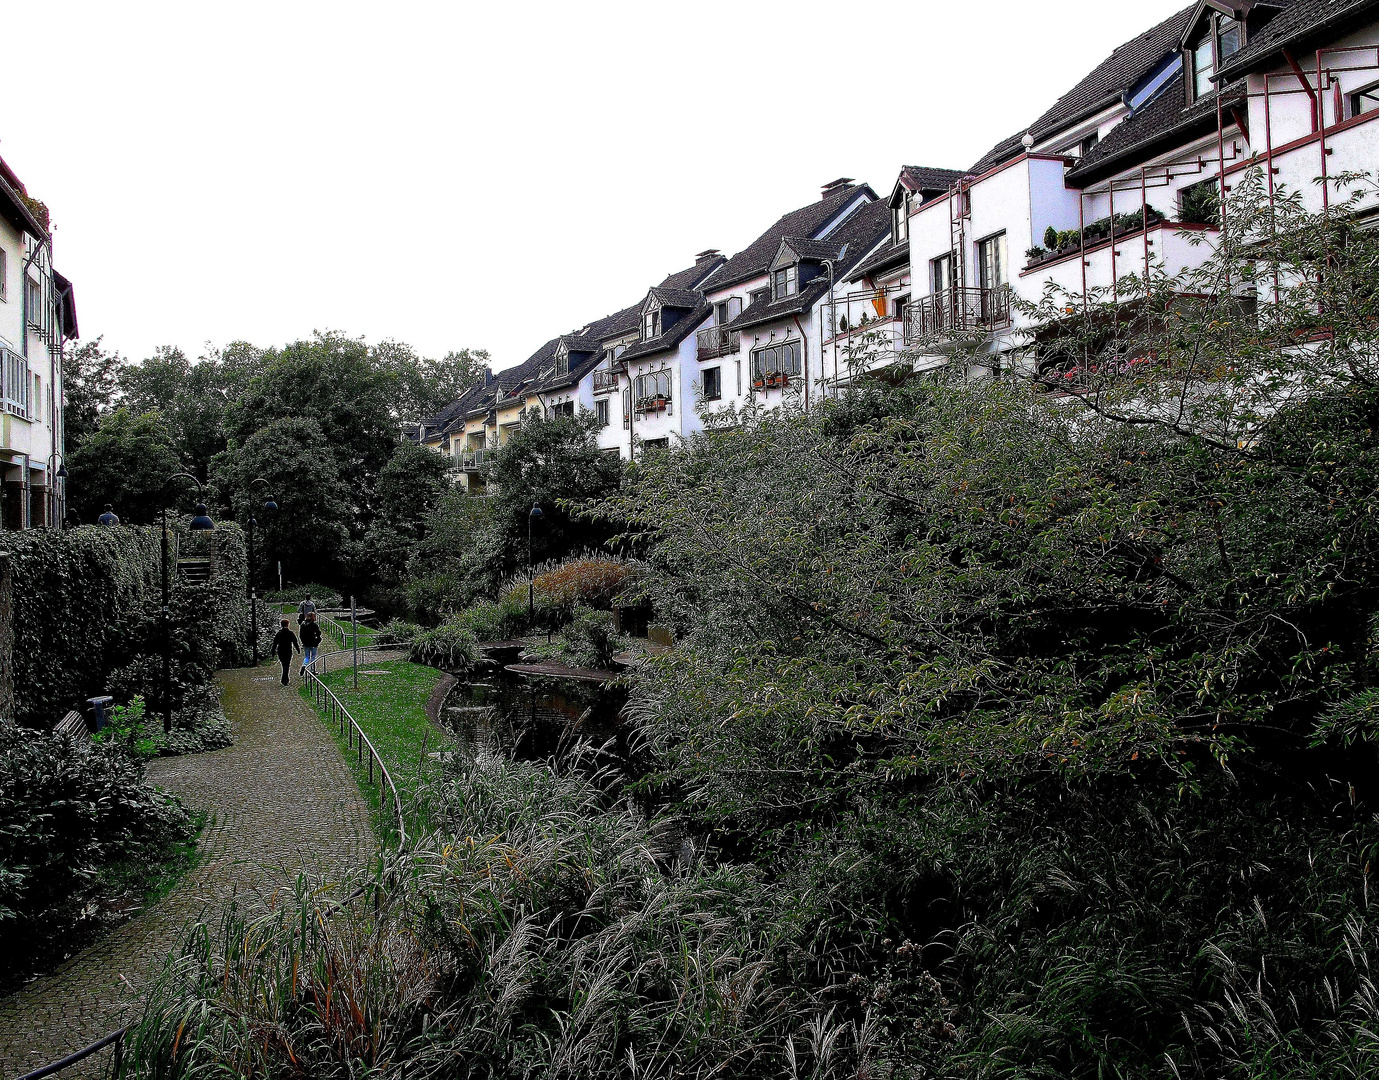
x=279, y=800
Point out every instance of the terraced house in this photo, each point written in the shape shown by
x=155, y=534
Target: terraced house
x=1123, y=176
x=1120, y=178
x=37, y=317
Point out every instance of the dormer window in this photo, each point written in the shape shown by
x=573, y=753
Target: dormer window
x=900, y=219
x=651, y=325
x=785, y=282
x=1220, y=40
x=562, y=361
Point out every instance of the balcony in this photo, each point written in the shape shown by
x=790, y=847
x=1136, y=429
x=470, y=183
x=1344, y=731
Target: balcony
x=953, y=312
x=652, y=403
x=474, y=460
x=717, y=341
x=605, y=382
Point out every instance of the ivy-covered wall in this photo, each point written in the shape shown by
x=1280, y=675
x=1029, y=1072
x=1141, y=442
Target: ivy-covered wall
x=86, y=604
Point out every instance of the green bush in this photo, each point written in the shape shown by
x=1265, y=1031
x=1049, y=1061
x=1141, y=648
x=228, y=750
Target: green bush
x=71, y=811
x=1051, y=236
x=397, y=632
x=590, y=640
x=450, y=645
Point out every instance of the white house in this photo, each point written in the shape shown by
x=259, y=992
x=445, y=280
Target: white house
x=37, y=318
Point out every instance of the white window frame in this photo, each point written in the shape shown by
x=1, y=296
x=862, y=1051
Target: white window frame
x=785, y=281
x=601, y=408
x=778, y=358
x=651, y=325
x=717, y=373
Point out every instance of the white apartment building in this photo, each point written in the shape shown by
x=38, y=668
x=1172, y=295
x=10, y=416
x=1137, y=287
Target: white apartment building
x=37, y=318
x=1122, y=175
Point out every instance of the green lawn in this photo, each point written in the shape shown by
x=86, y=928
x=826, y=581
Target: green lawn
x=391, y=709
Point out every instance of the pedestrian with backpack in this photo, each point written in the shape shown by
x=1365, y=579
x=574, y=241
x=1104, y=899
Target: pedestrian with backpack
x=311, y=641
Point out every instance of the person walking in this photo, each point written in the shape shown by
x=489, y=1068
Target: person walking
x=311, y=640
x=285, y=644
x=109, y=517
x=305, y=608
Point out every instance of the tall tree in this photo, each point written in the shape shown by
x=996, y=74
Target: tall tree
x=309, y=531
x=90, y=389
x=125, y=462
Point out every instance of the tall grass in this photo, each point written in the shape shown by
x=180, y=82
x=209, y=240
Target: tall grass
x=543, y=928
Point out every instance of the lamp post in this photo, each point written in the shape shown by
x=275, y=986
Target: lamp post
x=200, y=523
x=534, y=516
x=270, y=504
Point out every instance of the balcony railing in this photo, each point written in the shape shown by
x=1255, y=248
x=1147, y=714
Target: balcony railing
x=605, y=382
x=717, y=341
x=475, y=460
x=957, y=311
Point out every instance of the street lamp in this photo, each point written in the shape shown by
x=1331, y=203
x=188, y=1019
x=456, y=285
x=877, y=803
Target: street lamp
x=201, y=522
x=270, y=504
x=534, y=516
x=54, y=501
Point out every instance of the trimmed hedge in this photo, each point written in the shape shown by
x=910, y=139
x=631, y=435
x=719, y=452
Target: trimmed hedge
x=86, y=606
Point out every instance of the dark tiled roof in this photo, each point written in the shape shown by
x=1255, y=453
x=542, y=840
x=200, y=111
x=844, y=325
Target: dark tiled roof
x=1003, y=151
x=1154, y=128
x=694, y=276
x=888, y=257
x=685, y=299
x=923, y=178
x=684, y=326
x=1301, y=20
x=855, y=239
x=810, y=221
x=814, y=250
x=1115, y=75
x=1120, y=71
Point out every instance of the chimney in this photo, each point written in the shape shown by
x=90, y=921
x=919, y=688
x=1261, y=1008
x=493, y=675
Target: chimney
x=707, y=256
x=832, y=188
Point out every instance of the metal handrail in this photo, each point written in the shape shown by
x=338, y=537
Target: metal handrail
x=957, y=310
x=354, y=734
x=116, y=1037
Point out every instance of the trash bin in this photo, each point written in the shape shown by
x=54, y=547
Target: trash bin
x=98, y=711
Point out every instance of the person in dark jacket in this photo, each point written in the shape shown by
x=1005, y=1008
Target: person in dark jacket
x=311, y=640
x=285, y=644
x=109, y=517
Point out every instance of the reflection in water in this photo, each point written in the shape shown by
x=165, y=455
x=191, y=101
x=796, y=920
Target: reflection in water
x=500, y=714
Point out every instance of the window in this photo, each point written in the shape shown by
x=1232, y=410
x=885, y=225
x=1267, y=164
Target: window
x=991, y=261
x=565, y=408
x=900, y=219
x=941, y=273
x=4, y=274
x=1364, y=100
x=1220, y=41
x=1199, y=203
x=35, y=303
x=602, y=407
x=658, y=446
x=782, y=359
x=15, y=376
x=651, y=325
x=562, y=361
x=653, y=391
x=713, y=384
x=901, y=303
x=1088, y=144
x=785, y=282
x=759, y=296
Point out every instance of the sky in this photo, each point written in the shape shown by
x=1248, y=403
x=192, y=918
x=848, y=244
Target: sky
x=486, y=176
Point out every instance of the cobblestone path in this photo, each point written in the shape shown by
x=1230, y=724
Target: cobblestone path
x=278, y=800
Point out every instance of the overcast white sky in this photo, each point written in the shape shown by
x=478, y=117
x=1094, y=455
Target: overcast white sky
x=483, y=175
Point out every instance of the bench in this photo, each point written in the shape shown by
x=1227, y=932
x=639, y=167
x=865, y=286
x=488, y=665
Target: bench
x=73, y=724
